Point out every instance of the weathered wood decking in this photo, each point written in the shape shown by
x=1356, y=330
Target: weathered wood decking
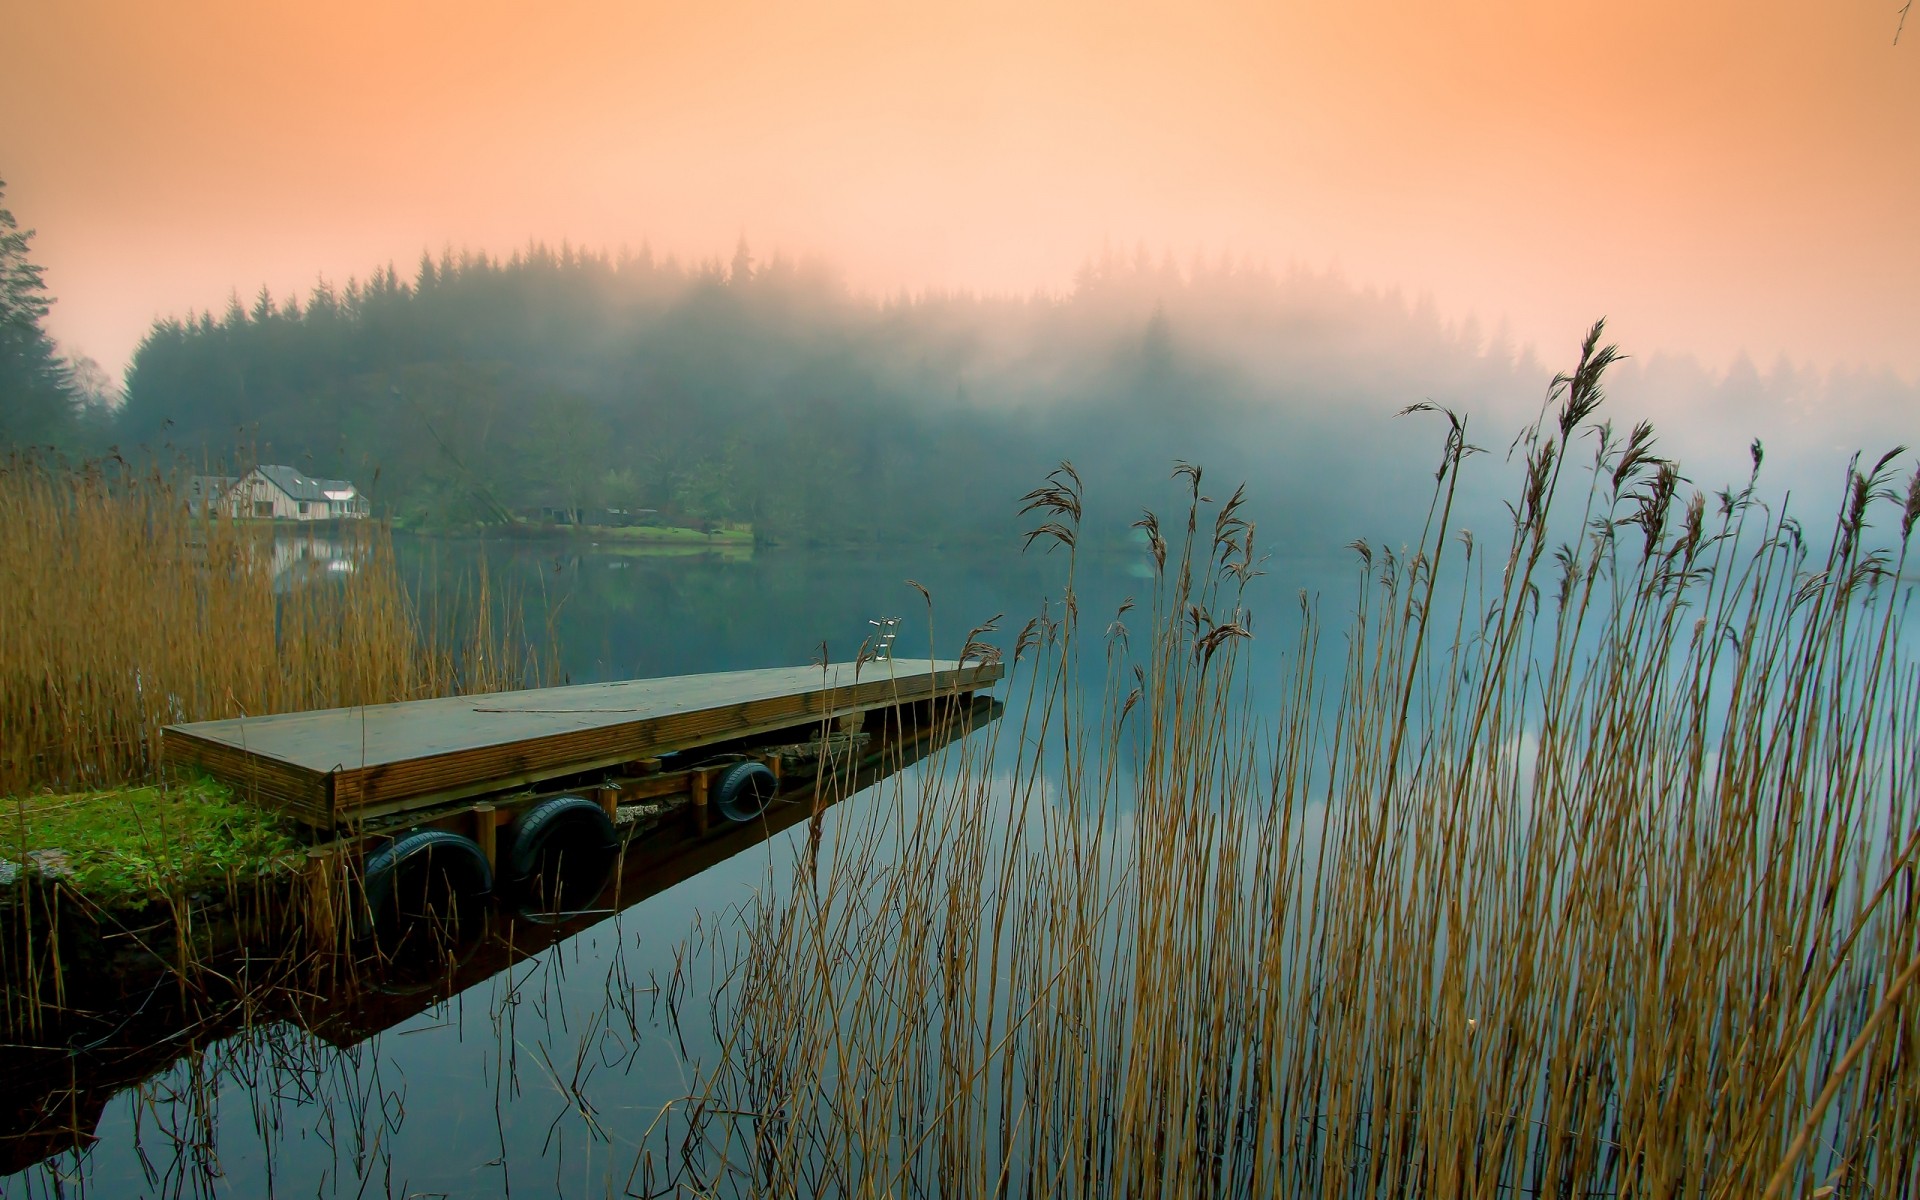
x=341, y=766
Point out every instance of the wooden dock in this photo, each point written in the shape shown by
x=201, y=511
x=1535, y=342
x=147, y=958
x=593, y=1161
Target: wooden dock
x=338, y=769
x=60, y=1085
x=648, y=865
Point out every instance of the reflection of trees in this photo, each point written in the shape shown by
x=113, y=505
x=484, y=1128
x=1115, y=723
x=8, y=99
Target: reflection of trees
x=624, y=616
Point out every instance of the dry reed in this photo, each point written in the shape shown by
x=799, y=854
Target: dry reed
x=124, y=612
x=1598, y=881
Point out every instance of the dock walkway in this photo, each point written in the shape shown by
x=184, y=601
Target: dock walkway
x=341, y=767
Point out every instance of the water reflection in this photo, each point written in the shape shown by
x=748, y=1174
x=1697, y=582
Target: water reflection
x=141, y=1099
x=615, y=616
x=542, y=1057
x=297, y=558
x=557, y=1056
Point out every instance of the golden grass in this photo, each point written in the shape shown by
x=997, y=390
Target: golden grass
x=124, y=613
x=1599, y=881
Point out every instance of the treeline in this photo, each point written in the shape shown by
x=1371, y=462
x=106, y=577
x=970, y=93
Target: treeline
x=768, y=392
x=559, y=378
x=771, y=394
x=46, y=397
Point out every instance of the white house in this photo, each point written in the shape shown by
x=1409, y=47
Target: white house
x=282, y=493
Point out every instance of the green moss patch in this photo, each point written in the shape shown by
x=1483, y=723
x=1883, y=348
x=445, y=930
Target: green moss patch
x=131, y=844
x=668, y=534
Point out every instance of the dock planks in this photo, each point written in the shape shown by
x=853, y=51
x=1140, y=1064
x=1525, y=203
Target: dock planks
x=342, y=766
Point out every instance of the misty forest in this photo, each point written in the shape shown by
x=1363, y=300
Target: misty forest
x=768, y=393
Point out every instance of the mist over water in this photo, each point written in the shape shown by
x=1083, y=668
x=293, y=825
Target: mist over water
x=766, y=393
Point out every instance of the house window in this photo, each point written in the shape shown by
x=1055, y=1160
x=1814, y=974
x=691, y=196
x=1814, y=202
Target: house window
x=263, y=508
x=303, y=508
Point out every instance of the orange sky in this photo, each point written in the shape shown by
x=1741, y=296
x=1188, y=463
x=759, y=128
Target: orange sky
x=1712, y=175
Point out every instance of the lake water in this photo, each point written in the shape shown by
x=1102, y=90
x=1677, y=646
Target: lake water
x=566, y=1072
x=546, y=1077
x=619, y=614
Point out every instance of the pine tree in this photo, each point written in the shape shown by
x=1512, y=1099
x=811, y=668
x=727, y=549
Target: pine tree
x=36, y=402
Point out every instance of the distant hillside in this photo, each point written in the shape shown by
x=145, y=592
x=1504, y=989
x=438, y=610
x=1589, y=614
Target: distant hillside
x=768, y=393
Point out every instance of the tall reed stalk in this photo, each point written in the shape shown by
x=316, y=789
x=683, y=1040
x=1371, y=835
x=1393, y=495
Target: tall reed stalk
x=124, y=612
x=1599, y=880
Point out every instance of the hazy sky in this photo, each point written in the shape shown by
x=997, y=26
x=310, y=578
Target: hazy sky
x=1711, y=175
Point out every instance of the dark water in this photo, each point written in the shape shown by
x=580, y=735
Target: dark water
x=619, y=614
x=563, y=1071
x=549, y=1075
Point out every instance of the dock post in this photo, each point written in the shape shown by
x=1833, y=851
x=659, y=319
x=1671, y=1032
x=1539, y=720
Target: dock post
x=609, y=799
x=486, y=833
x=328, y=898
x=319, y=918
x=700, y=801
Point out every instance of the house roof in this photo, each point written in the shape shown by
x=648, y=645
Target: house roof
x=305, y=487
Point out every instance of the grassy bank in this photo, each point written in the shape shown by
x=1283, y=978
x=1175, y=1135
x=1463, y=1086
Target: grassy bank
x=668, y=535
x=730, y=534
x=124, y=846
x=1594, y=881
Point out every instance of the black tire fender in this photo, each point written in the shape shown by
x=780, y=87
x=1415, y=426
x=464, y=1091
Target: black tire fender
x=460, y=857
x=744, y=790
x=564, y=825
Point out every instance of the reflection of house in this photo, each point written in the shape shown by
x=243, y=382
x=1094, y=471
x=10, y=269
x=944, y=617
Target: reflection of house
x=283, y=493
x=300, y=557
x=204, y=491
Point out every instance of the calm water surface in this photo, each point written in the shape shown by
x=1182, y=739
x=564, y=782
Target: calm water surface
x=557, y=1073
x=546, y=1077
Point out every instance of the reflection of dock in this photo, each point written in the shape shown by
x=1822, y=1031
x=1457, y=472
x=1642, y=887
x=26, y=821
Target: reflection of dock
x=57, y=1092
x=653, y=863
x=346, y=768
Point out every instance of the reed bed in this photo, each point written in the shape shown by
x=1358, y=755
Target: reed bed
x=125, y=612
x=1598, y=880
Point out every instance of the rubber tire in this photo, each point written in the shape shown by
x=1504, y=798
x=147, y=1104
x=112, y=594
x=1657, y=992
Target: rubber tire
x=573, y=826
x=744, y=791
x=458, y=856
